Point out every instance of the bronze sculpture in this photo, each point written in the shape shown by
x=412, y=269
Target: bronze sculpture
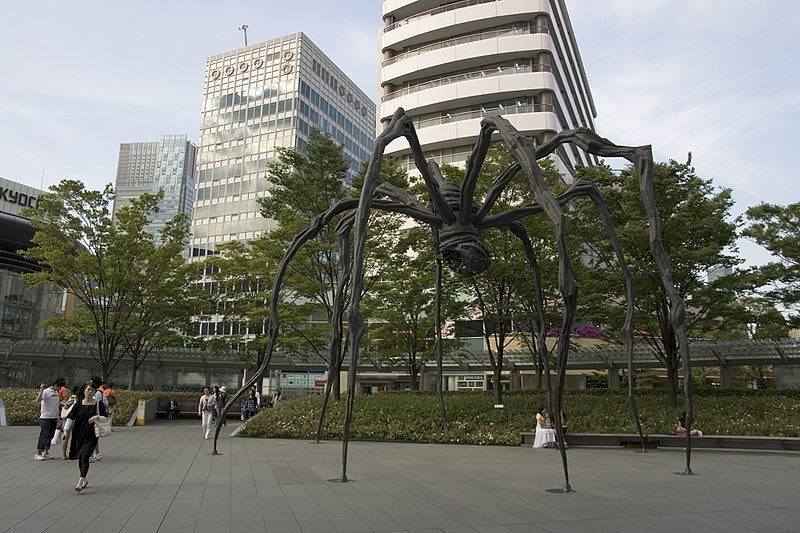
x=456, y=220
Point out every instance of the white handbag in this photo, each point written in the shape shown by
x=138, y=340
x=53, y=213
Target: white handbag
x=102, y=426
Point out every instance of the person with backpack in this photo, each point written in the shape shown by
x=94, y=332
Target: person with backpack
x=111, y=398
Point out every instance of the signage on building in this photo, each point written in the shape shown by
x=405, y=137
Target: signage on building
x=17, y=199
x=328, y=77
x=333, y=82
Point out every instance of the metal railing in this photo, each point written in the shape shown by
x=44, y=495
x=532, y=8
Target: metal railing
x=468, y=115
x=465, y=76
x=510, y=32
x=436, y=11
x=702, y=353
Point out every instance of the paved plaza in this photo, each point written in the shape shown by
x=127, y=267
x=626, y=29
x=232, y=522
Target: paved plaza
x=162, y=477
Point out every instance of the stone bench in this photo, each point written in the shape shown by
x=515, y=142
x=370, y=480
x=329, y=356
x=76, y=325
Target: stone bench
x=674, y=441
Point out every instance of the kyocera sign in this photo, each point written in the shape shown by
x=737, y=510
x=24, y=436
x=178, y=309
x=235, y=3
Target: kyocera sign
x=10, y=197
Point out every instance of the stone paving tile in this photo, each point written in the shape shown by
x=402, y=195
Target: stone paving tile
x=163, y=477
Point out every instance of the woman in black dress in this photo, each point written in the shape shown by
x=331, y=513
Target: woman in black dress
x=80, y=426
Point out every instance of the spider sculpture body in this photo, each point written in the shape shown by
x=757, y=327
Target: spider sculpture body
x=456, y=220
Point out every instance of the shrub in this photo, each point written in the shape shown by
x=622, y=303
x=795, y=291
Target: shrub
x=23, y=410
x=414, y=416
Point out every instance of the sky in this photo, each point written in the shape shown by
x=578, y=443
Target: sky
x=717, y=78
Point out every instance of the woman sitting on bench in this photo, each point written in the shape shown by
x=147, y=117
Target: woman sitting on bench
x=545, y=435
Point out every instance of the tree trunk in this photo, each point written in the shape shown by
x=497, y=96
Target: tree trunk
x=132, y=379
x=498, y=373
x=539, y=373
x=414, y=375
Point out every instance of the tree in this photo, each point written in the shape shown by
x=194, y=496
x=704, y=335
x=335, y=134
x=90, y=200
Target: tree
x=166, y=295
x=243, y=273
x=503, y=294
x=699, y=236
x=112, y=267
x=776, y=228
x=304, y=184
x=400, y=305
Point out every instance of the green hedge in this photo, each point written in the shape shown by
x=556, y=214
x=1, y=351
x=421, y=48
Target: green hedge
x=414, y=417
x=23, y=410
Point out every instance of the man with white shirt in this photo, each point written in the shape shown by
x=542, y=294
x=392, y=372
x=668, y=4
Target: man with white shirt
x=49, y=409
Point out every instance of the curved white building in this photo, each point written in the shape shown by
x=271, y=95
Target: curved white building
x=448, y=64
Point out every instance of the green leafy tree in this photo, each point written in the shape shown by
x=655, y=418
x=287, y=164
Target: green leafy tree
x=776, y=228
x=166, y=296
x=503, y=294
x=304, y=184
x=112, y=267
x=400, y=305
x=243, y=273
x=699, y=235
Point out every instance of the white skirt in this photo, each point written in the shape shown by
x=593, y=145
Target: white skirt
x=544, y=437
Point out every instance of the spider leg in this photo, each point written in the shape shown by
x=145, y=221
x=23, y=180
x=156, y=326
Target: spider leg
x=587, y=188
x=538, y=300
x=412, y=207
x=399, y=126
x=437, y=348
x=319, y=222
x=407, y=205
x=334, y=363
x=522, y=150
x=474, y=164
x=497, y=188
x=402, y=126
x=642, y=158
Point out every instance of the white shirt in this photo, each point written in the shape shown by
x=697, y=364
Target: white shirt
x=50, y=405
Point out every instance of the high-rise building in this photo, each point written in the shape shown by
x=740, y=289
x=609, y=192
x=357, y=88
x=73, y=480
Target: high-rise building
x=448, y=64
x=146, y=167
x=21, y=308
x=258, y=98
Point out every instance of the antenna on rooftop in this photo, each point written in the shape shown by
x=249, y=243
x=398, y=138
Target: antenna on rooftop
x=243, y=27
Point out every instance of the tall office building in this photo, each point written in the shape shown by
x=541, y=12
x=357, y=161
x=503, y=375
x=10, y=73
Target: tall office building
x=146, y=167
x=448, y=64
x=21, y=309
x=258, y=98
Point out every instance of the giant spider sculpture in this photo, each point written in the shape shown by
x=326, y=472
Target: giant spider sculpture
x=456, y=220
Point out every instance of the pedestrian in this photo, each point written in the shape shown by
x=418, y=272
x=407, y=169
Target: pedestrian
x=173, y=410
x=276, y=398
x=49, y=409
x=98, y=385
x=80, y=425
x=258, y=397
x=205, y=407
x=68, y=405
x=221, y=399
x=250, y=407
x=111, y=398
